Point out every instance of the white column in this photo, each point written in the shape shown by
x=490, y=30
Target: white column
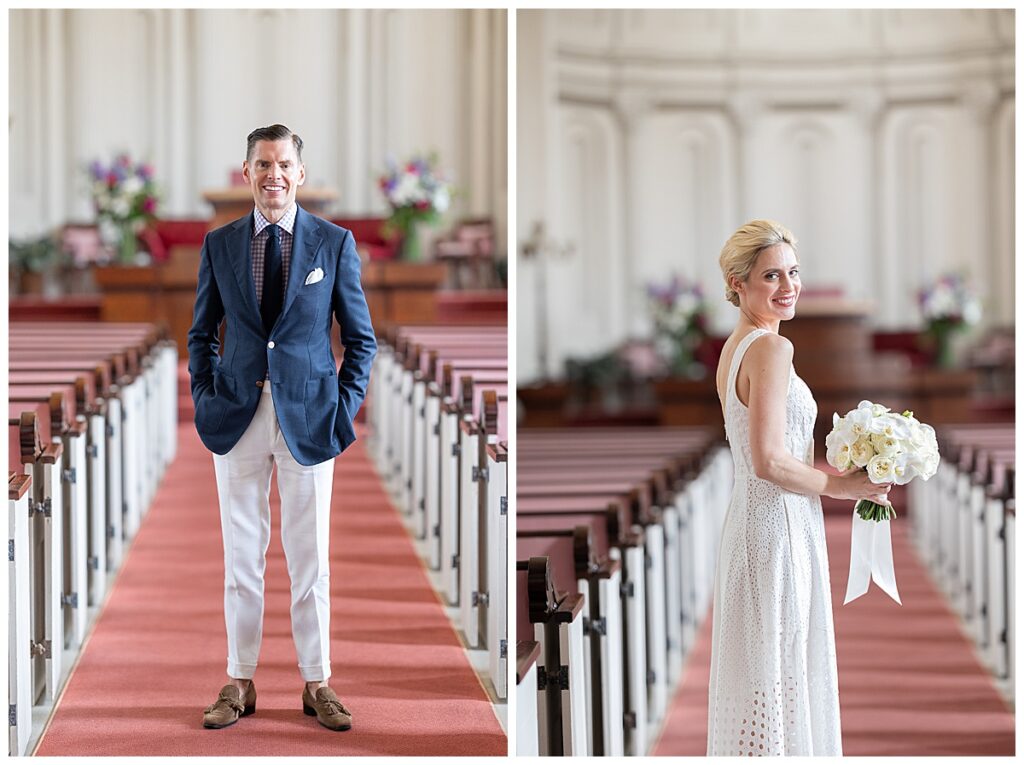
x=631, y=108
x=55, y=124
x=178, y=156
x=867, y=105
x=745, y=109
x=978, y=255
x=478, y=114
x=358, y=162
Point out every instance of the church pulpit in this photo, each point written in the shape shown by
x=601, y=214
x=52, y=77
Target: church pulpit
x=235, y=201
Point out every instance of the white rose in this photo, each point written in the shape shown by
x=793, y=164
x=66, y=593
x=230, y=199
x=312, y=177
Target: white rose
x=885, y=445
x=862, y=452
x=972, y=312
x=442, y=199
x=880, y=469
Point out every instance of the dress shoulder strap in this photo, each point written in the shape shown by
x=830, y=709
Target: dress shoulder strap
x=737, y=356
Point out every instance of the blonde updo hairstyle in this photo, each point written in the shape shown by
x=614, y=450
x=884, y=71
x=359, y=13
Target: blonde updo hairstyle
x=741, y=250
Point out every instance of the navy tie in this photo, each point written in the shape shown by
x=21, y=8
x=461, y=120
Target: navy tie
x=273, y=279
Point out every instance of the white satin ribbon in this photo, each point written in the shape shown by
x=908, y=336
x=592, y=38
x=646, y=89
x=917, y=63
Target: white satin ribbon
x=871, y=558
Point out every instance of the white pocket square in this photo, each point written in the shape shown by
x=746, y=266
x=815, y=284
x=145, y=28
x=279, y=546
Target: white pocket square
x=315, y=275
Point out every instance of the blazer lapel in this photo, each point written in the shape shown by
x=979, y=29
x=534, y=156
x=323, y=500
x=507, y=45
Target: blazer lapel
x=305, y=243
x=239, y=249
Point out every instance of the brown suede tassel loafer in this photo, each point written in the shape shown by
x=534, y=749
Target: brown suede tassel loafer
x=329, y=710
x=229, y=706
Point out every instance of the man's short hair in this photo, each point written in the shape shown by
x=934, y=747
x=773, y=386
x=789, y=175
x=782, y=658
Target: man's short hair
x=272, y=133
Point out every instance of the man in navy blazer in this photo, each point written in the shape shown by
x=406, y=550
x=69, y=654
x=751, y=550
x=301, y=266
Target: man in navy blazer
x=276, y=278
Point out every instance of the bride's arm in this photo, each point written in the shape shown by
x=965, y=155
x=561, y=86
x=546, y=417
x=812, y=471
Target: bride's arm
x=767, y=364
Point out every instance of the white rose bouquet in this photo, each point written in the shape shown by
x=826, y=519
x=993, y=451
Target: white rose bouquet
x=893, y=448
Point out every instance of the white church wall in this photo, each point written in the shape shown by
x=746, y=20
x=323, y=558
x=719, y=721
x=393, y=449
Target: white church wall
x=182, y=88
x=883, y=139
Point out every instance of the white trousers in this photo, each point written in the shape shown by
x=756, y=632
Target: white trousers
x=243, y=486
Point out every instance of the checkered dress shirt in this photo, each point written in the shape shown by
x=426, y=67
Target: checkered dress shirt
x=259, y=248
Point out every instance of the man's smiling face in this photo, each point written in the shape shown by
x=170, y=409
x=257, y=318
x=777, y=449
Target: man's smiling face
x=274, y=174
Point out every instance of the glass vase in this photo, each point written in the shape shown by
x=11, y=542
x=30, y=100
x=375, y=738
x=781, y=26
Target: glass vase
x=411, y=251
x=127, y=246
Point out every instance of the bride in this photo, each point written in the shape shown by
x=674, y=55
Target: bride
x=774, y=688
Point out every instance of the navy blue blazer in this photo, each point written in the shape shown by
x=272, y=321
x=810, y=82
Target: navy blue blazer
x=315, y=403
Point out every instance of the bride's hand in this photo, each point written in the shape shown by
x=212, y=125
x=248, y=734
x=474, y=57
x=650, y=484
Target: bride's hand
x=855, y=484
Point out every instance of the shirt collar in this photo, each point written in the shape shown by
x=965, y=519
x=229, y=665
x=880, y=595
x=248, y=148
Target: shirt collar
x=287, y=222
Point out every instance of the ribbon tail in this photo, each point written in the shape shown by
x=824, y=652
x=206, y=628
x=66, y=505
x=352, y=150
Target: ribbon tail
x=860, y=558
x=882, y=569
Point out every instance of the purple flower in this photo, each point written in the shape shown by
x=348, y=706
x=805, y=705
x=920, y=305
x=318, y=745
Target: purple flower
x=97, y=170
x=145, y=172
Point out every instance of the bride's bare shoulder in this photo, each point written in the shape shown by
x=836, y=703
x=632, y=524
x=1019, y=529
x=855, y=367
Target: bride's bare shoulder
x=771, y=346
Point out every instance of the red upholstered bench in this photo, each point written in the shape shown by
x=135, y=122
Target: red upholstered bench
x=369, y=237
x=161, y=235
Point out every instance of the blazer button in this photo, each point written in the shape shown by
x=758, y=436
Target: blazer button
x=259, y=383
x=270, y=344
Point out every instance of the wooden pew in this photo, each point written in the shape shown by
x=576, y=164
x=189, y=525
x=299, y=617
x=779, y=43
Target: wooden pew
x=475, y=522
x=493, y=509
x=439, y=437
x=527, y=729
x=442, y=414
x=86, y=460
x=133, y=429
x=93, y=407
x=143, y=353
x=392, y=382
x=147, y=359
x=1009, y=616
x=458, y=447
x=69, y=564
x=41, y=457
x=551, y=614
x=19, y=636
x=952, y=535
x=412, y=392
x=655, y=485
x=960, y=522
x=107, y=455
x=597, y=556
x=671, y=501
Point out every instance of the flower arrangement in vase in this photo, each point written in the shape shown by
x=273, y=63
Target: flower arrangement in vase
x=679, y=313
x=948, y=307
x=124, y=196
x=417, y=193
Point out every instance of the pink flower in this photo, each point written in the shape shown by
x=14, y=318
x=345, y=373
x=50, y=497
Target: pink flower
x=149, y=205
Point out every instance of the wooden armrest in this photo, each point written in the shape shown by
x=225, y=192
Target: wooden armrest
x=17, y=485
x=527, y=653
x=51, y=454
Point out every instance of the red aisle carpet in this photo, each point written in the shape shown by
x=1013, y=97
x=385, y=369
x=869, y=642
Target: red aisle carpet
x=158, y=654
x=909, y=683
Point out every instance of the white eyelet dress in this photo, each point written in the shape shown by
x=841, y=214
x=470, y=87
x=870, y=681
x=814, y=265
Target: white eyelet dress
x=774, y=688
